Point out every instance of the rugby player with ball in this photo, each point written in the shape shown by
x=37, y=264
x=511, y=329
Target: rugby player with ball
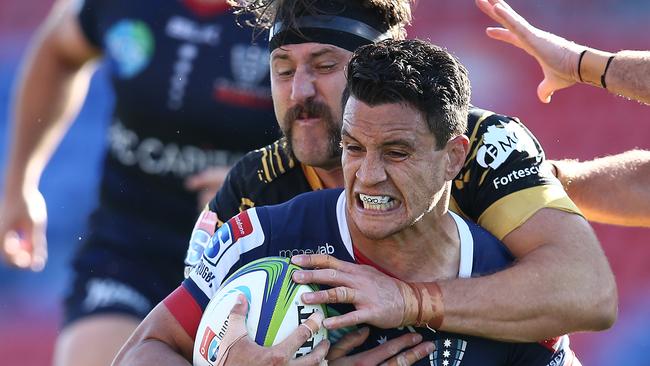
x=404, y=114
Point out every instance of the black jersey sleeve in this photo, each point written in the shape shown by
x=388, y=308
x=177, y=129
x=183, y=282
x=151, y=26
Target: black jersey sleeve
x=229, y=200
x=89, y=19
x=504, y=180
x=265, y=176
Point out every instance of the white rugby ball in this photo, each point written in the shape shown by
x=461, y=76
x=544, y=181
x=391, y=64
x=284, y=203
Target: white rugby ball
x=275, y=309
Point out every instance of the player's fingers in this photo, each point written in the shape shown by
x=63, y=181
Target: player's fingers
x=391, y=348
x=486, y=7
x=315, y=357
x=302, y=334
x=411, y=356
x=327, y=276
x=350, y=319
x=210, y=177
x=39, y=248
x=346, y=344
x=336, y=295
x=510, y=18
x=237, y=317
x=503, y=35
x=18, y=249
x=545, y=91
x=321, y=261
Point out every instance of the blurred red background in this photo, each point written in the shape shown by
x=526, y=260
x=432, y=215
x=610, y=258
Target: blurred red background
x=582, y=122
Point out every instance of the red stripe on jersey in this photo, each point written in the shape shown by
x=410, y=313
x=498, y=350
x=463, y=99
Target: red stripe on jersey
x=362, y=259
x=204, y=8
x=185, y=310
x=550, y=343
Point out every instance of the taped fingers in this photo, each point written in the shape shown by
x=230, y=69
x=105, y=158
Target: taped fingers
x=304, y=332
x=343, y=295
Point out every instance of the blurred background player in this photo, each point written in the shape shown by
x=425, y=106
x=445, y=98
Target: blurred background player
x=624, y=177
x=192, y=96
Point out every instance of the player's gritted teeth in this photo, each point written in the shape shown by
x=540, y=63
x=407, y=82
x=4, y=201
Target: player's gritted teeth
x=376, y=202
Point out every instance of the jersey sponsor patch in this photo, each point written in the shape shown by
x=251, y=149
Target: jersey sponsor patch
x=130, y=45
x=239, y=235
x=228, y=234
x=501, y=140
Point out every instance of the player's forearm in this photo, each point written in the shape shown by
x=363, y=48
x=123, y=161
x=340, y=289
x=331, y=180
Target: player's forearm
x=629, y=75
x=613, y=189
x=149, y=352
x=49, y=94
x=561, y=287
x=158, y=340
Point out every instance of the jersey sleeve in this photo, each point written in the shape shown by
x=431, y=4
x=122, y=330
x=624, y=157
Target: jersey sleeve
x=504, y=180
x=238, y=235
x=88, y=17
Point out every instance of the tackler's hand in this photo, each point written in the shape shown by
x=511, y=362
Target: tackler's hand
x=404, y=350
x=558, y=57
x=379, y=299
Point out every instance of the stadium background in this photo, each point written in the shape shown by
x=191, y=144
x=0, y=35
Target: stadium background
x=582, y=122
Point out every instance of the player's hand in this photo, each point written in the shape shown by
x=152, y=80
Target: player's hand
x=404, y=350
x=238, y=349
x=557, y=56
x=23, y=219
x=376, y=296
x=207, y=183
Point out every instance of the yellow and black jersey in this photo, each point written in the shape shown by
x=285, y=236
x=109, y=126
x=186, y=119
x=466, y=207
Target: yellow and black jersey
x=501, y=185
x=503, y=181
x=265, y=176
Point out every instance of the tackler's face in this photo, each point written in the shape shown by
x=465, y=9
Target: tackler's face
x=394, y=171
x=307, y=81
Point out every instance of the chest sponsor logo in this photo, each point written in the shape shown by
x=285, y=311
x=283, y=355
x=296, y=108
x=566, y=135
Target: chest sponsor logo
x=156, y=157
x=187, y=30
x=130, y=47
x=321, y=249
x=249, y=65
x=228, y=234
x=209, y=345
x=500, y=141
x=514, y=175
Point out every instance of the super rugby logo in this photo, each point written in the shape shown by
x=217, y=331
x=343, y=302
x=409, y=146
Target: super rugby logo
x=228, y=234
x=501, y=140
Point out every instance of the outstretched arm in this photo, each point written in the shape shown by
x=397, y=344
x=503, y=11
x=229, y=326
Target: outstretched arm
x=49, y=93
x=612, y=189
x=628, y=73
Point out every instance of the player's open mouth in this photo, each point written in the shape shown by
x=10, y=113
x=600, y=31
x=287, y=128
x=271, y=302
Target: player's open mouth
x=377, y=203
x=305, y=117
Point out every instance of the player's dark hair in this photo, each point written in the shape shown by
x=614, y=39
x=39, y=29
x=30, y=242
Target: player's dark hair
x=394, y=13
x=415, y=72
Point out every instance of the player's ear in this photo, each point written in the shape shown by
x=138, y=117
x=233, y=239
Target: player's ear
x=456, y=149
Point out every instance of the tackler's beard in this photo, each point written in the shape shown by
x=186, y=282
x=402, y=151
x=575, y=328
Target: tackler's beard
x=317, y=143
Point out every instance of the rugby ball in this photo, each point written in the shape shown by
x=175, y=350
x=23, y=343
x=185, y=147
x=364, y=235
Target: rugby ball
x=275, y=309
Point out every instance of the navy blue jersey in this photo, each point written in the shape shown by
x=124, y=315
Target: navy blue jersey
x=315, y=222
x=192, y=91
